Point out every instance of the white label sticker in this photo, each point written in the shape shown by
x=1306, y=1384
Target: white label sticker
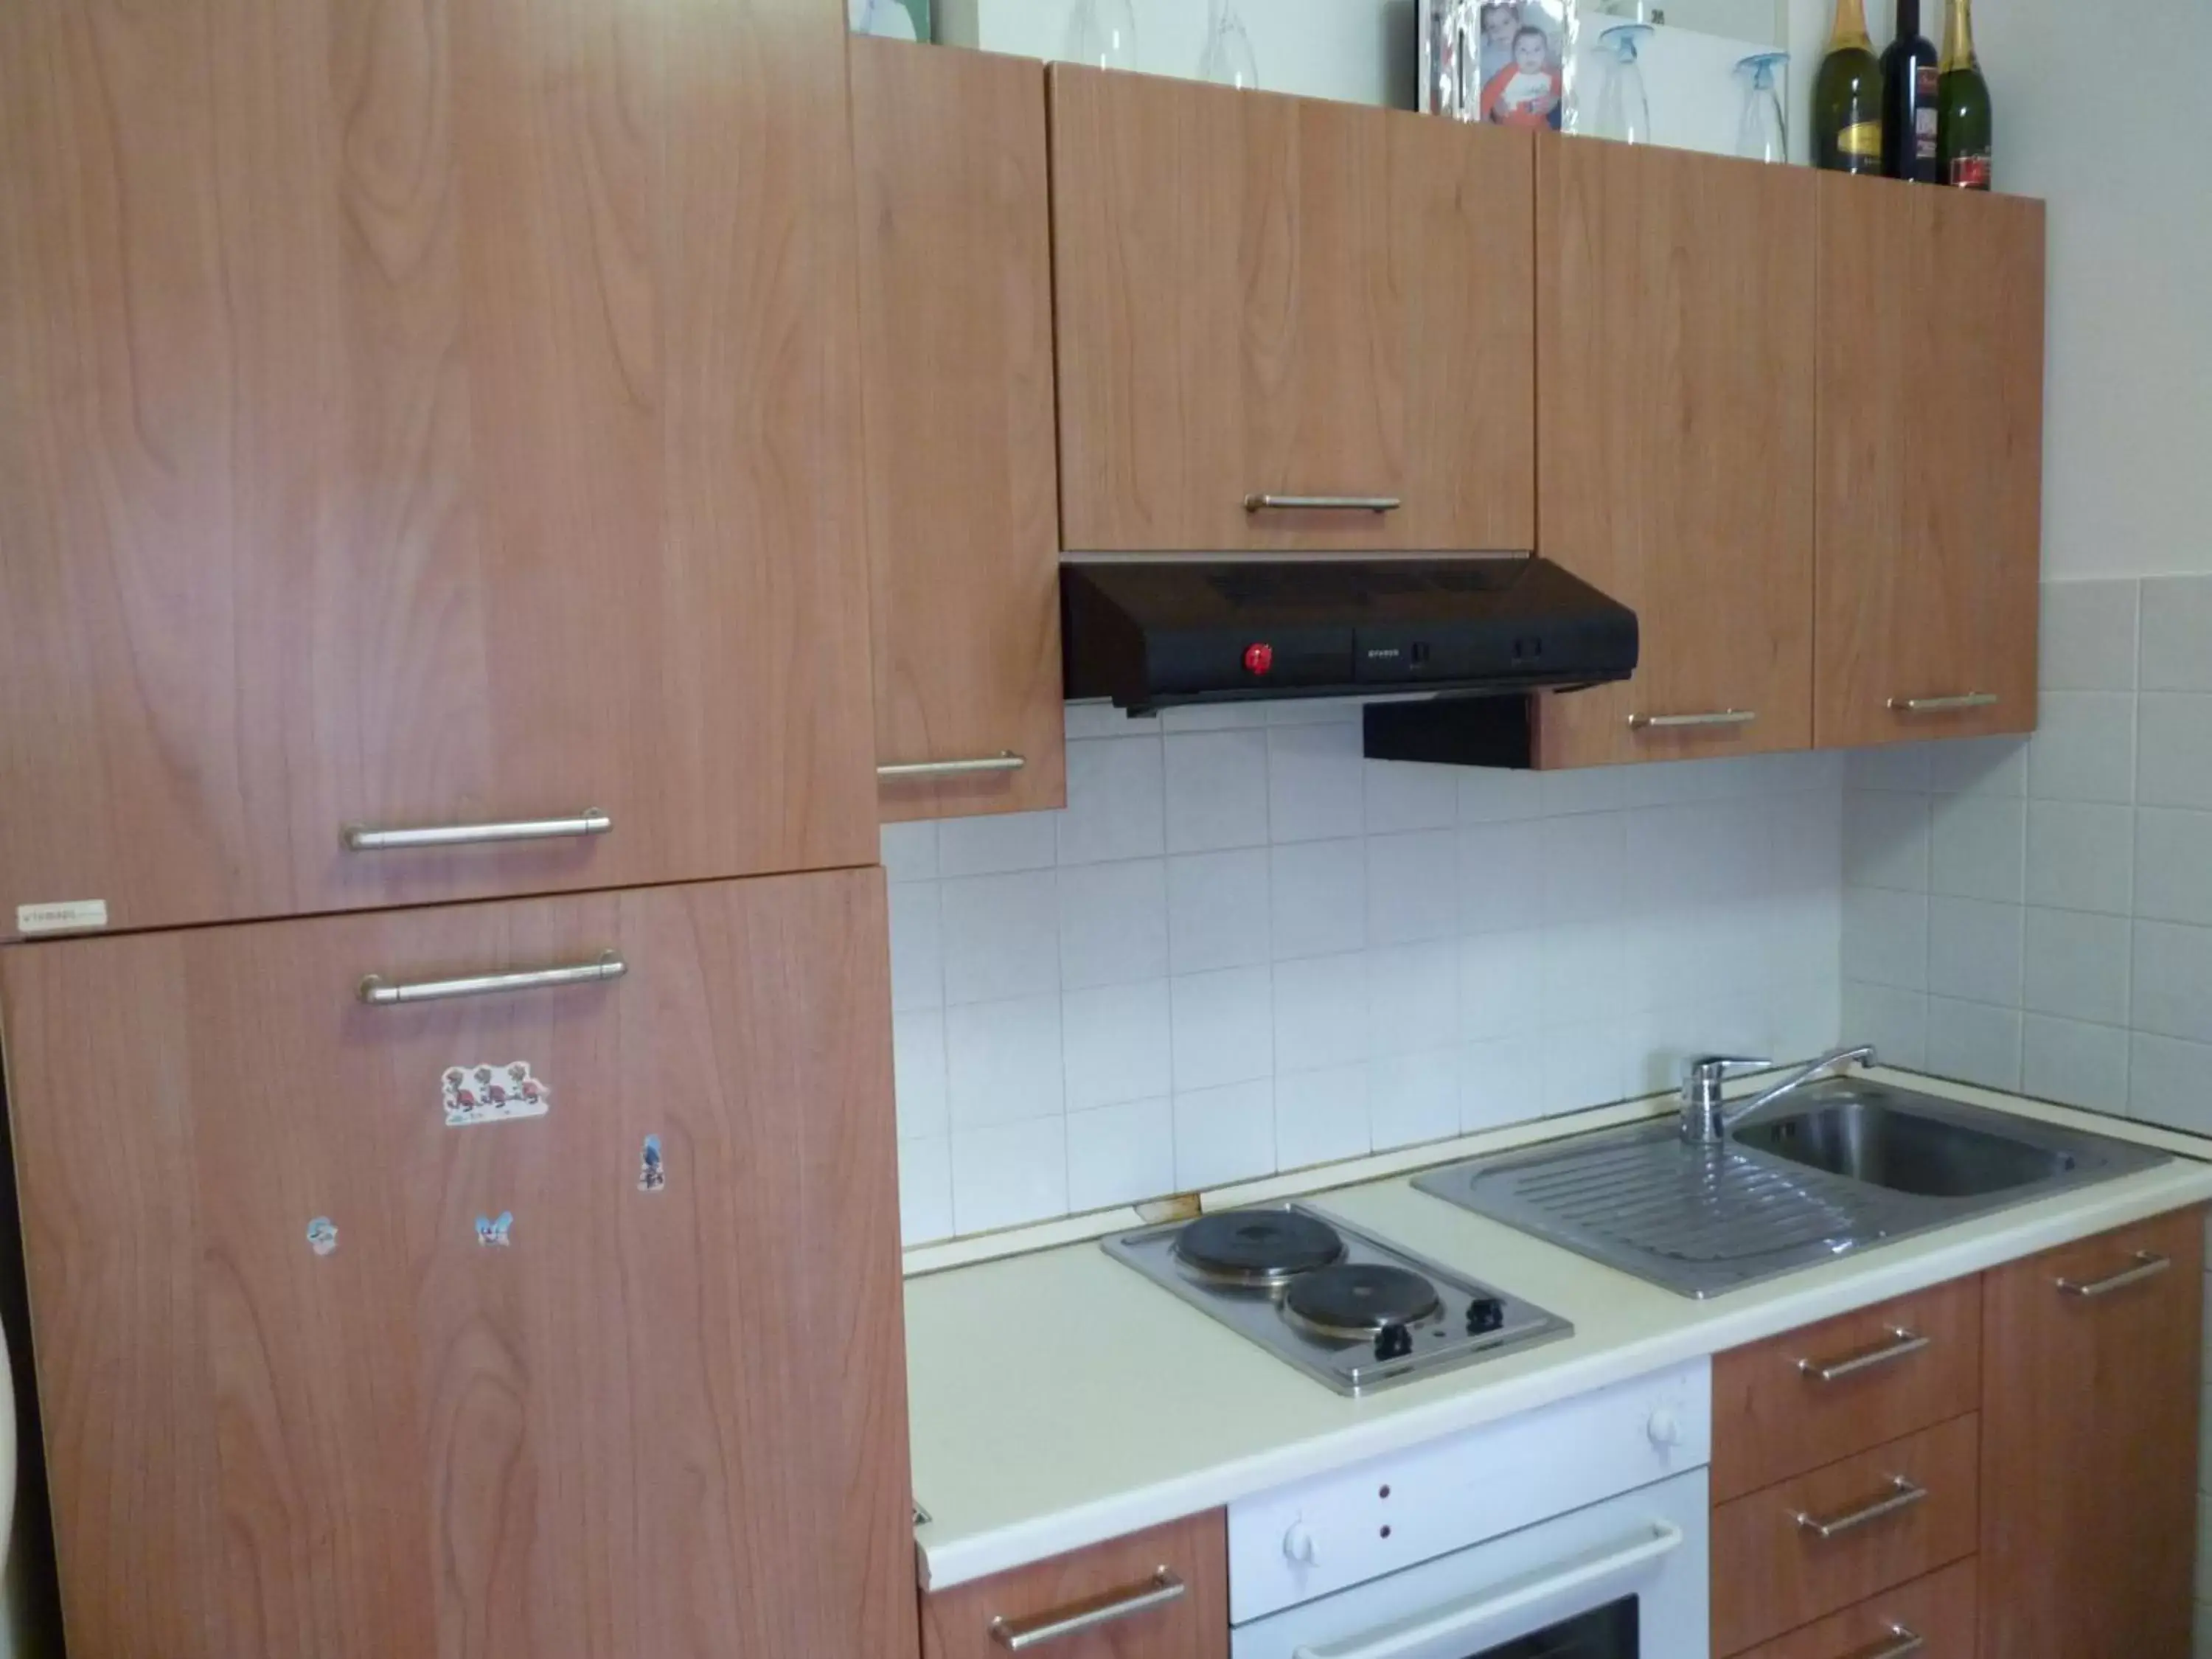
x=493, y=1094
x=75, y=915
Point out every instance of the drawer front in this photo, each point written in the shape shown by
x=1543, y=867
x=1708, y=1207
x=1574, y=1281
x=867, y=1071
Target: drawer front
x=1930, y=1618
x=1802, y=1400
x=1797, y=1551
x=1158, y=1595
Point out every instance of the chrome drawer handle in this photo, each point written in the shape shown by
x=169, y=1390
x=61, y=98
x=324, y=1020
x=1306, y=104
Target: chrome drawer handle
x=1019, y=1635
x=1004, y=761
x=2148, y=1265
x=1901, y=1343
x=1680, y=722
x=1322, y=503
x=379, y=992
x=365, y=838
x=1943, y=705
x=1903, y=1495
x=1899, y=1643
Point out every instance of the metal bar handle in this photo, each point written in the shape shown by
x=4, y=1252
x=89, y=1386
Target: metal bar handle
x=365, y=838
x=1899, y=1643
x=1004, y=761
x=1681, y=722
x=1322, y=503
x=1901, y=1343
x=1019, y=1635
x=1943, y=705
x=2148, y=1265
x=381, y=993
x=1903, y=1495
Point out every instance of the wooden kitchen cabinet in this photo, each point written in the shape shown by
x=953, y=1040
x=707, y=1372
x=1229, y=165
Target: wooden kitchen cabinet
x=1674, y=305
x=1928, y=495
x=423, y=416
x=322, y=1375
x=1937, y=1612
x=1125, y=1589
x=2089, y=1446
x=956, y=384
x=1268, y=296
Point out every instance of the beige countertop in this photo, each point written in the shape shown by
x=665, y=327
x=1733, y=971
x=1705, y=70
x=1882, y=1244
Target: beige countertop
x=1059, y=1398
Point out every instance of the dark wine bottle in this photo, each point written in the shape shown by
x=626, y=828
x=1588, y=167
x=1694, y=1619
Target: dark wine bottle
x=1911, y=84
x=1847, y=97
x=1965, y=128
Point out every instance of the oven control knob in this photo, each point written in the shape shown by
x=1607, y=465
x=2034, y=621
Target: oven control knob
x=1298, y=1544
x=1664, y=1428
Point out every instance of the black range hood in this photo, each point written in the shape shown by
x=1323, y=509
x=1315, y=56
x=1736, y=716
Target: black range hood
x=1481, y=633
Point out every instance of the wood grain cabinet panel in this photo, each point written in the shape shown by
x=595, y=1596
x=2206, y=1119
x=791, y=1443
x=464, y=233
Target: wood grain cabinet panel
x=956, y=378
x=1937, y=1612
x=1262, y=296
x=522, y=1406
x=1100, y=1582
x=1774, y=1570
x=1811, y=1396
x=2089, y=1446
x=424, y=414
x=1675, y=353
x=1928, y=536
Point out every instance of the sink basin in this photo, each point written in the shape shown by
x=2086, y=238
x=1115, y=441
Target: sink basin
x=1905, y=1152
x=1836, y=1167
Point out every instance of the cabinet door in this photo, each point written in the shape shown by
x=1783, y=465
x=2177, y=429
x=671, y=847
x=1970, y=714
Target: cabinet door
x=424, y=414
x=2089, y=1436
x=1266, y=296
x=1126, y=1591
x=963, y=519
x=1928, y=535
x=510, y=1401
x=1674, y=347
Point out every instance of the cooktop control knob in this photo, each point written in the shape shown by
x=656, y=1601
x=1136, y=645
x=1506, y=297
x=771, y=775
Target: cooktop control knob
x=1393, y=1342
x=1485, y=1313
x=1298, y=1544
x=1664, y=1428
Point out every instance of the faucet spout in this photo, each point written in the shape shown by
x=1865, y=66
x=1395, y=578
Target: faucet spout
x=1706, y=1119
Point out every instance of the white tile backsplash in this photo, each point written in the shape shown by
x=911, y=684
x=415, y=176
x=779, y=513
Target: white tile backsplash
x=1978, y=848
x=1974, y=951
x=1244, y=948
x=2081, y=856
x=2084, y=747
x=2176, y=623
x=2176, y=758
x=2173, y=865
x=2089, y=636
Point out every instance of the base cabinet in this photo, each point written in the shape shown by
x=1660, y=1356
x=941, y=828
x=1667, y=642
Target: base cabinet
x=1158, y=1595
x=327, y=1374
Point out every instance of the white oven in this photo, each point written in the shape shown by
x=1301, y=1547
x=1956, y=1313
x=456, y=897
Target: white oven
x=1574, y=1532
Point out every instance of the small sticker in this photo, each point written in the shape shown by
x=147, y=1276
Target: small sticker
x=651, y=1173
x=494, y=1234
x=493, y=1094
x=322, y=1234
x=74, y=916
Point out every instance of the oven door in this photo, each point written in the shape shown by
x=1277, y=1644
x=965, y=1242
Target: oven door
x=1624, y=1579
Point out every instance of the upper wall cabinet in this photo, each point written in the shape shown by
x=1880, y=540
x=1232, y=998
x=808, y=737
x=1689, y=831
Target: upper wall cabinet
x=1930, y=463
x=425, y=417
x=956, y=368
x=1269, y=299
x=1674, y=347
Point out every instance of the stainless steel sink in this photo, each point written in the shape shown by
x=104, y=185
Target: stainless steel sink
x=1838, y=1167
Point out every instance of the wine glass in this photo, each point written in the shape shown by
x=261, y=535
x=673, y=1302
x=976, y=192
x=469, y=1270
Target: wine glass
x=1228, y=59
x=1622, y=109
x=1763, y=135
x=1103, y=34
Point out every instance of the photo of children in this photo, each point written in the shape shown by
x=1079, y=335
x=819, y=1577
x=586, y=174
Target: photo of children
x=1527, y=87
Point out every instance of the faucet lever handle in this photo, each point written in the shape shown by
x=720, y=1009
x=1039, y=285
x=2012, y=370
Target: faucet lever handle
x=1713, y=1070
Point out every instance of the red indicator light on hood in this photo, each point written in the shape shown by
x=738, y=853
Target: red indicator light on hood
x=1258, y=658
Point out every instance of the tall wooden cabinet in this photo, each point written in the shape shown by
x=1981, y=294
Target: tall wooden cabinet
x=957, y=383
x=427, y=415
x=1929, y=467
x=1264, y=302
x=1674, y=356
x=325, y=1374
x=2089, y=1441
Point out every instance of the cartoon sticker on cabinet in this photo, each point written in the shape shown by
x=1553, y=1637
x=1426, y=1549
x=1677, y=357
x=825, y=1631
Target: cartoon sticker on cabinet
x=322, y=1234
x=651, y=1173
x=495, y=1235
x=493, y=1094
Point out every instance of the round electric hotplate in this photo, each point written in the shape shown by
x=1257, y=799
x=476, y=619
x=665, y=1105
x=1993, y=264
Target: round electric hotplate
x=1357, y=1300
x=1257, y=1247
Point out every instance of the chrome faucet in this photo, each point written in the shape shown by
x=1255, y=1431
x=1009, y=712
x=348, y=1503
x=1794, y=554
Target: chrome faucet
x=1706, y=1118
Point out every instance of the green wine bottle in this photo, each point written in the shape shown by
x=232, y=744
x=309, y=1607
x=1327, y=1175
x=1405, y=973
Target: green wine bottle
x=1847, y=97
x=1962, y=97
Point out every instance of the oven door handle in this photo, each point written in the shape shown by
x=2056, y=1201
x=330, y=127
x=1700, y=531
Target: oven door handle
x=1422, y=1633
